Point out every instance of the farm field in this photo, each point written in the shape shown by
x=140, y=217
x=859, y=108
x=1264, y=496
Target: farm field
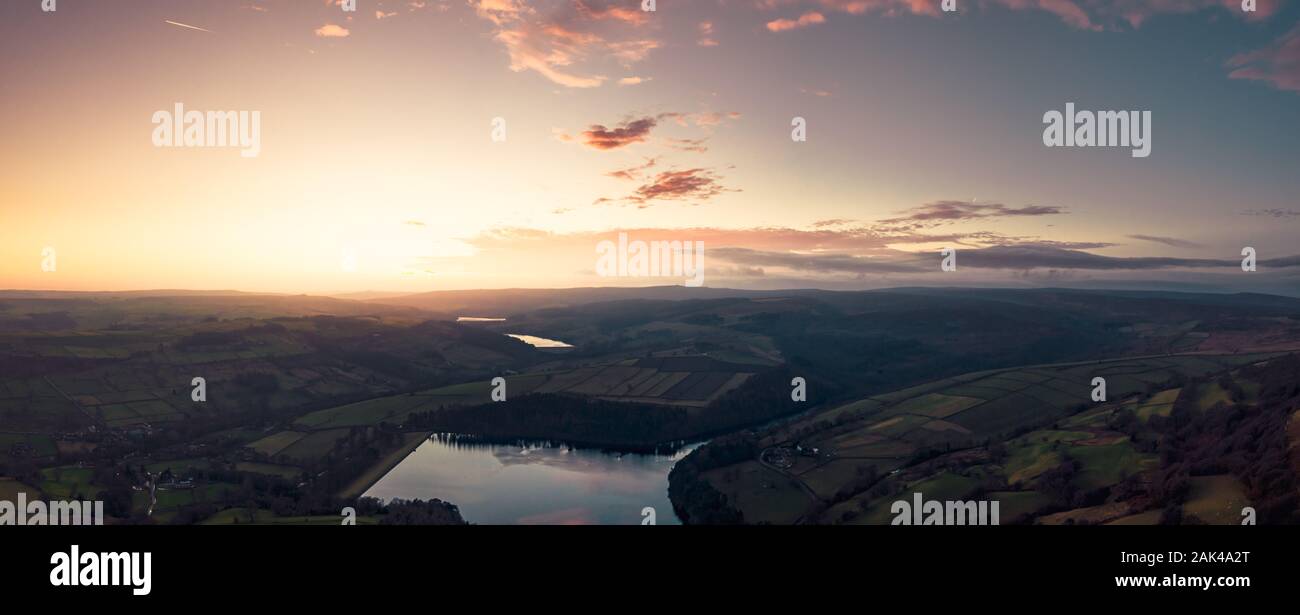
x=935, y=439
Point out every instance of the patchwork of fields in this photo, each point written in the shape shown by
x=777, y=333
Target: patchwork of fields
x=680, y=381
x=1050, y=407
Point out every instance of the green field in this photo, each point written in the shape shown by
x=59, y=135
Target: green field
x=1067, y=432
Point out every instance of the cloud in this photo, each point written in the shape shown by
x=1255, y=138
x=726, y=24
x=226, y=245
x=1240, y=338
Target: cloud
x=1038, y=256
x=1081, y=14
x=1277, y=64
x=944, y=212
x=638, y=129
x=1136, y=12
x=819, y=263
x=1169, y=241
x=633, y=80
x=558, y=44
x=689, y=145
x=805, y=20
x=686, y=185
x=706, y=35
x=1272, y=213
x=857, y=257
x=332, y=31
x=600, y=137
x=1021, y=257
x=1067, y=10
x=615, y=12
x=632, y=173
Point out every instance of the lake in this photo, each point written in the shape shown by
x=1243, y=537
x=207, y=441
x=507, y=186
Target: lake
x=534, y=484
x=539, y=342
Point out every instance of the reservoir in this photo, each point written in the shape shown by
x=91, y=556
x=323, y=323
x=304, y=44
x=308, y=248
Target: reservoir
x=535, y=483
x=540, y=342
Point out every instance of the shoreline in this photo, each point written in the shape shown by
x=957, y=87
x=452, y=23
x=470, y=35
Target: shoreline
x=379, y=470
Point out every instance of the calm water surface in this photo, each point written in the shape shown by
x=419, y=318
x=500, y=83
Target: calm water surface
x=534, y=484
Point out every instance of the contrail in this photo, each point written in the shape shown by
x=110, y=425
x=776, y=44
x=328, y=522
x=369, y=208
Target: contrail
x=174, y=23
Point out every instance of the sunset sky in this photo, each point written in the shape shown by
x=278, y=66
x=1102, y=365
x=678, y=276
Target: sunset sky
x=924, y=130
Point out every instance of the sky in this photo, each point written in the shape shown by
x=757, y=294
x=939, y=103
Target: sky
x=457, y=144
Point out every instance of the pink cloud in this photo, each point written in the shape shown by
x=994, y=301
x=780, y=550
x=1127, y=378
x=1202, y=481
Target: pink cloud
x=1278, y=64
x=805, y=20
x=332, y=31
x=559, y=44
x=1082, y=14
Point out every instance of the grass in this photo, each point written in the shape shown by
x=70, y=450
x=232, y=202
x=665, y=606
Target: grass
x=314, y=445
x=67, y=482
x=42, y=445
x=942, y=486
x=1108, y=464
x=766, y=496
x=175, y=498
x=369, y=412
x=1012, y=504
x=410, y=442
x=937, y=405
x=178, y=466
x=273, y=444
x=10, y=488
x=1211, y=393
x=1216, y=500
x=1160, y=404
x=269, y=469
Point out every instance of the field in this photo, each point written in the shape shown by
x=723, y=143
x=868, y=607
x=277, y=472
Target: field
x=750, y=484
x=678, y=381
x=1061, y=430
x=68, y=482
x=10, y=488
x=1216, y=500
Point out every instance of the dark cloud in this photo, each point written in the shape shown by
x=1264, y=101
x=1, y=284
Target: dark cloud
x=944, y=212
x=638, y=129
x=1020, y=257
x=1169, y=241
x=1039, y=256
x=1272, y=213
x=627, y=133
x=818, y=263
x=690, y=184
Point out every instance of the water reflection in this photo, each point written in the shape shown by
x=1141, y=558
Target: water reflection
x=534, y=482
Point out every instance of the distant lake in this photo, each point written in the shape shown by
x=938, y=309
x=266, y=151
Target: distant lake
x=534, y=484
x=540, y=342
x=478, y=319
